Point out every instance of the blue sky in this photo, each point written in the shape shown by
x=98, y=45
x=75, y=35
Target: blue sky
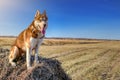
x=67, y=18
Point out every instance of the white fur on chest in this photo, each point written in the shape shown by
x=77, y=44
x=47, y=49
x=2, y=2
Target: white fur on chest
x=35, y=42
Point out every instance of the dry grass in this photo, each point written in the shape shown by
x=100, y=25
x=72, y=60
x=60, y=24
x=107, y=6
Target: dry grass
x=82, y=59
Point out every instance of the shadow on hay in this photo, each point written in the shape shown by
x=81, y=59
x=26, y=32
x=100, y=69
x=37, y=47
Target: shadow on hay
x=47, y=69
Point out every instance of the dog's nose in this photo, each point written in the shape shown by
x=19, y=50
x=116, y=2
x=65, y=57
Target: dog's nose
x=44, y=25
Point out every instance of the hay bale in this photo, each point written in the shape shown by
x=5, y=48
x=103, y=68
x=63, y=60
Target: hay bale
x=47, y=69
x=2, y=50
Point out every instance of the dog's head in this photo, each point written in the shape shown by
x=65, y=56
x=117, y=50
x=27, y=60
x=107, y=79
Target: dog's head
x=40, y=22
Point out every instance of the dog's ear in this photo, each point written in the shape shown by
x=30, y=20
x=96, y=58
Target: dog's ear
x=37, y=13
x=44, y=12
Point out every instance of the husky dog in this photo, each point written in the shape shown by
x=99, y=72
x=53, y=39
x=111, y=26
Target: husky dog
x=30, y=39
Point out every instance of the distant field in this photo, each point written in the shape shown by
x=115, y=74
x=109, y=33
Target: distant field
x=82, y=59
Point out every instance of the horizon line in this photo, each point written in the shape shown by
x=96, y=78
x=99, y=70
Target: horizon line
x=10, y=36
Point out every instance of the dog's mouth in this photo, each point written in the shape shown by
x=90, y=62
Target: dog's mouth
x=43, y=32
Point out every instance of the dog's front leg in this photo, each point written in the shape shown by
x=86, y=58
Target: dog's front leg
x=28, y=57
x=36, y=55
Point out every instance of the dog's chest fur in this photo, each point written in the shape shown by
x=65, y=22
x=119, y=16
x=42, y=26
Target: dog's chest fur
x=28, y=38
x=35, y=42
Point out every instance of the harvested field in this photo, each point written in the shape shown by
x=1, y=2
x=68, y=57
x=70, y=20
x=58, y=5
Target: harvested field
x=81, y=59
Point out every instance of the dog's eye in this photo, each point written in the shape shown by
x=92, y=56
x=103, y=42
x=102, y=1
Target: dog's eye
x=42, y=19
